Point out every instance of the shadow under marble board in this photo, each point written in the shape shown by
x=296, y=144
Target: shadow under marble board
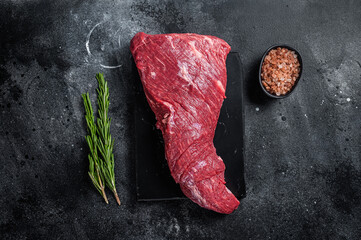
x=153, y=179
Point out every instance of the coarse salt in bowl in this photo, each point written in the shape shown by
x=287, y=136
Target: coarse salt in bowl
x=280, y=71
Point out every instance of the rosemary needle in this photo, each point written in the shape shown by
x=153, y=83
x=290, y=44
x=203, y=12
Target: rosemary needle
x=105, y=141
x=95, y=165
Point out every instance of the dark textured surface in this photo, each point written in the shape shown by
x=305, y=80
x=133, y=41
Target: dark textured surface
x=302, y=167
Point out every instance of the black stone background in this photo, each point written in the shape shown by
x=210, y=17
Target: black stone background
x=302, y=168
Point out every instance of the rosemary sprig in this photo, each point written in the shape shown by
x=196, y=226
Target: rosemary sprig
x=95, y=164
x=101, y=144
x=105, y=141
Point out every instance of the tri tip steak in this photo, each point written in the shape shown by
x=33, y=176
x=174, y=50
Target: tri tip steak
x=184, y=78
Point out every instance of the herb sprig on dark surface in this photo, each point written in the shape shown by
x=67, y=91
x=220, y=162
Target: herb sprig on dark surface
x=101, y=157
x=105, y=141
x=95, y=164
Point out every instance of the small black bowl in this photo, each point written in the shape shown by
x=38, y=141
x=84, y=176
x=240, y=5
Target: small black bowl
x=297, y=80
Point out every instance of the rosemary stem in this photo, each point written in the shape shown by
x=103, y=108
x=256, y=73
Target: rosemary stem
x=102, y=188
x=116, y=196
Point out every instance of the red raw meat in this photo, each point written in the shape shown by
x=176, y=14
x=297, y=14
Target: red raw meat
x=184, y=78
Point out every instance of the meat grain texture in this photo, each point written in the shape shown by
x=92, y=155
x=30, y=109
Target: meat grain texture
x=184, y=78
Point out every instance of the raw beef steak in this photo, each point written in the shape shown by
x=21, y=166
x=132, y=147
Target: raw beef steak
x=184, y=79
